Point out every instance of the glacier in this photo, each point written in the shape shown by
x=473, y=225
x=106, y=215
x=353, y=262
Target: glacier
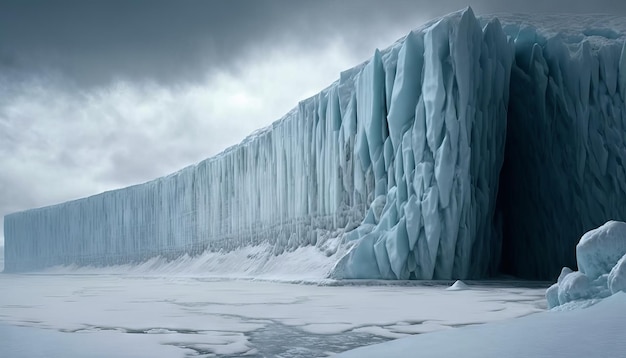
x=470, y=147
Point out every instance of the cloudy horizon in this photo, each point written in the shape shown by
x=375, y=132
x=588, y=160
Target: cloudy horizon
x=99, y=95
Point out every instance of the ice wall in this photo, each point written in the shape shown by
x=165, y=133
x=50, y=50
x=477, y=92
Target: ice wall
x=402, y=158
x=565, y=164
x=281, y=185
x=406, y=148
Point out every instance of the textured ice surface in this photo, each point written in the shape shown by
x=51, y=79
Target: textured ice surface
x=601, y=255
x=564, y=171
x=77, y=314
x=406, y=148
x=617, y=276
x=401, y=157
x=442, y=156
x=600, y=249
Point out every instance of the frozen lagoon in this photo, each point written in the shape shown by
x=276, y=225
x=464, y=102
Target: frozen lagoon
x=110, y=315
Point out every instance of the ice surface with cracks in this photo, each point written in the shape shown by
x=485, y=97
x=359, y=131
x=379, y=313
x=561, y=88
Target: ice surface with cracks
x=547, y=334
x=98, y=312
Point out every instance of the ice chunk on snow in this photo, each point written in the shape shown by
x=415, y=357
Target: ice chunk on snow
x=458, y=286
x=601, y=272
x=575, y=286
x=600, y=249
x=552, y=296
x=617, y=276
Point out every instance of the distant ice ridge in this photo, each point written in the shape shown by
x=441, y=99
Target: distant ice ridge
x=601, y=255
x=400, y=158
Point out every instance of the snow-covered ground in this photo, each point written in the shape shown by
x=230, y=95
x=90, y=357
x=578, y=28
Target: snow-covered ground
x=106, y=315
x=597, y=331
x=251, y=302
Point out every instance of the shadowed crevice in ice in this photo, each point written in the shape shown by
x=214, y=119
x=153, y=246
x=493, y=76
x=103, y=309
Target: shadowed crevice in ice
x=565, y=160
x=154, y=330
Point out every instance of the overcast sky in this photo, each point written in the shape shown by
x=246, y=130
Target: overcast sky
x=98, y=95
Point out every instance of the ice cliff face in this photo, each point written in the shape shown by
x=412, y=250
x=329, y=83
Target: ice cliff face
x=435, y=173
x=564, y=171
x=403, y=157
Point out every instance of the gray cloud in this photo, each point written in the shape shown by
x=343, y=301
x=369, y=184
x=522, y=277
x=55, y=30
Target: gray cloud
x=95, y=41
x=96, y=95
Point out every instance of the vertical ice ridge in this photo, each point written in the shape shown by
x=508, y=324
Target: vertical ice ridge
x=448, y=152
x=397, y=149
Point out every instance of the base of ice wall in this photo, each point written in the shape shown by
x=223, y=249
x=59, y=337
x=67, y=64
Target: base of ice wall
x=401, y=156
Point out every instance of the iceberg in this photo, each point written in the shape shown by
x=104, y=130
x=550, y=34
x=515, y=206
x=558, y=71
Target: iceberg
x=469, y=147
x=601, y=256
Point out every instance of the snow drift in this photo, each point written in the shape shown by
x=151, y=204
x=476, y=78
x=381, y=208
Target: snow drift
x=402, y=158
